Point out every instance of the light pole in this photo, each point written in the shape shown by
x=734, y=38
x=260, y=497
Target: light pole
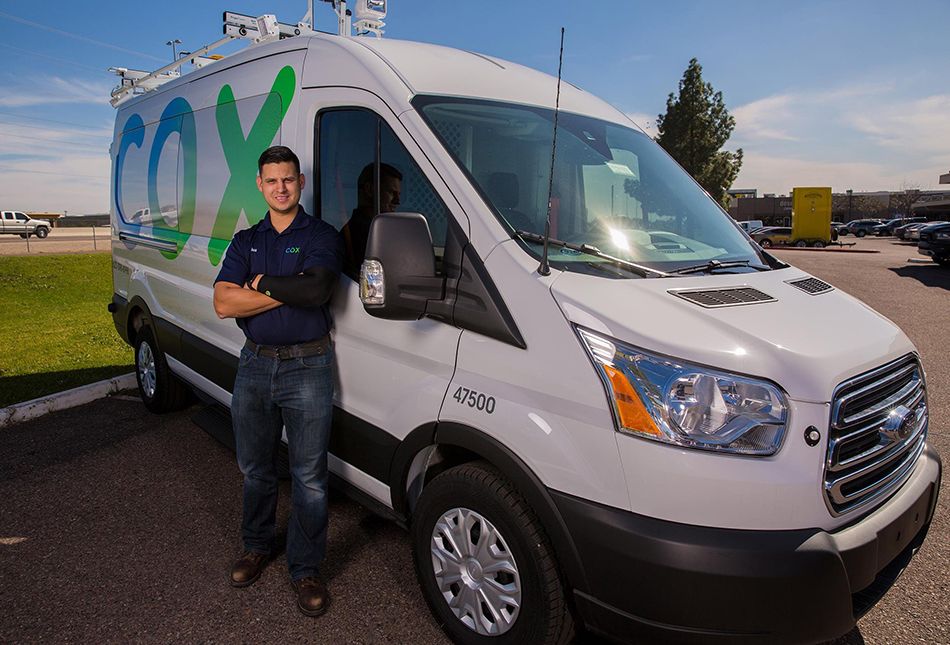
x=173, y=43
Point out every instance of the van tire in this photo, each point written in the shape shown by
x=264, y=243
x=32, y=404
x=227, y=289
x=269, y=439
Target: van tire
x=160, y=391
x=478, y=492
x=801, y=244
x=818, y=244
x=766, y=243
x=42, y=232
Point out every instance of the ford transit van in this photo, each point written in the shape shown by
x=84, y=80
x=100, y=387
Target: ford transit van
x=591, y=398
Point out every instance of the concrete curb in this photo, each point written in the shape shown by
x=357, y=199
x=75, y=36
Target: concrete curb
x=825, y=249
x=27, y=410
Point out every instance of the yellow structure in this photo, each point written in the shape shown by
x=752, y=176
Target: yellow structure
x=811, y=216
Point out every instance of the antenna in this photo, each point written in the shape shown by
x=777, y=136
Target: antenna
x=545, y=268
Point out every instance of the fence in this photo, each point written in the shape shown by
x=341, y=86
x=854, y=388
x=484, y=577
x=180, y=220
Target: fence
x=60, y=240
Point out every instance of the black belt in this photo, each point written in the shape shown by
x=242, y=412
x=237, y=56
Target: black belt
x=283, y=352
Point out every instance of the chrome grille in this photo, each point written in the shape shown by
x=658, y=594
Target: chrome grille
x=877, y=432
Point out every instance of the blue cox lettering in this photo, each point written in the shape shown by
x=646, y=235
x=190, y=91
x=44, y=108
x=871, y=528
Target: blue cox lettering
x=292, y=249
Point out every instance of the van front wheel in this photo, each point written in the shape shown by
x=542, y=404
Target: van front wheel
x=160, y=390
x=486, y=567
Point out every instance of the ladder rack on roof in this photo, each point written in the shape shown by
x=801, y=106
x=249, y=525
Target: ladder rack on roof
x=261, y=29
x=369, y=13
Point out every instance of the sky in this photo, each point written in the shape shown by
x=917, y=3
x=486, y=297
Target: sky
x=852, y=94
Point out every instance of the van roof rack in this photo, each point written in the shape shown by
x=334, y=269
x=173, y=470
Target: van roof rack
x=266, y=28
x=261, y=29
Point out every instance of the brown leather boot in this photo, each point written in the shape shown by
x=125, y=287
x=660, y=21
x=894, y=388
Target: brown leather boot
x=247, y=569
x=312, y=596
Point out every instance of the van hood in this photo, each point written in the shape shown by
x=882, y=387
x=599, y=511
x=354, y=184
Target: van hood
x=805, y=341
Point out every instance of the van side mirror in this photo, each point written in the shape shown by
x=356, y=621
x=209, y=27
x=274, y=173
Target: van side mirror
x=397, y=278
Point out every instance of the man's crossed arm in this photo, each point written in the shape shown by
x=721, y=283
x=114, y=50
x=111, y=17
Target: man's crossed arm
x=311, y=288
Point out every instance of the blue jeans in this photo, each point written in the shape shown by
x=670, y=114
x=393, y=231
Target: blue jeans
x=296, y=394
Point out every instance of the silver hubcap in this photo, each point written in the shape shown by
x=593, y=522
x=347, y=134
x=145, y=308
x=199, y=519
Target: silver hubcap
x=476, y=572
x=146, y=367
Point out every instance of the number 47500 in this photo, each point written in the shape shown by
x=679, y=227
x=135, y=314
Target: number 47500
x=473, y=399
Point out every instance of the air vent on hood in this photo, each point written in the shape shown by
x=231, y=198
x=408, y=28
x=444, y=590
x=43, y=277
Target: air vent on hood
x=813, y=286
x=727, y=297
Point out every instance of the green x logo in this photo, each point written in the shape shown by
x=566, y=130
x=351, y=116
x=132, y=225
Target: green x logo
x=241, y=193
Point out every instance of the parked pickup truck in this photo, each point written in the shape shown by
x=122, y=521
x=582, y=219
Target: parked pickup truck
x=19, y=223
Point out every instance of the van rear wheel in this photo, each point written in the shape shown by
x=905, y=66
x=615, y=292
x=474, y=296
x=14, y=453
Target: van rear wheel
x=160, y=390
x=486, y=567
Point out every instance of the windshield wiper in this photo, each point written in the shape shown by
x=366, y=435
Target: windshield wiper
x=639, y=269
x=713, y=265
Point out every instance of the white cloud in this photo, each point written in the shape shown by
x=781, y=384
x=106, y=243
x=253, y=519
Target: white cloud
x=864, y=136
x=765, y=118
x=47, y=173
x=55, y=90
x=921, y=126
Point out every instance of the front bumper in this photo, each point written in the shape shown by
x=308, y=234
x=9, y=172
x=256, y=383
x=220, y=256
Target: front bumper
x=650, y=578
x=933, y=249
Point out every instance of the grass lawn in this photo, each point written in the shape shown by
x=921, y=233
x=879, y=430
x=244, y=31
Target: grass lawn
x=55, y=332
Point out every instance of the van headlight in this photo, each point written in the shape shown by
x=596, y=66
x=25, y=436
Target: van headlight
x=668, y=400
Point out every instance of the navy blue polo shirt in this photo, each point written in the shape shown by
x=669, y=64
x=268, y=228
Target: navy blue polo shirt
x=308, y=242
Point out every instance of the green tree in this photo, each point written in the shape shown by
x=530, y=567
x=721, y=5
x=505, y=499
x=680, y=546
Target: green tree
x=695, y=128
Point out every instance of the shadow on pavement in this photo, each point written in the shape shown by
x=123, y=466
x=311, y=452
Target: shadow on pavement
x=932, y=275
x=36, y=445
x=25, y=387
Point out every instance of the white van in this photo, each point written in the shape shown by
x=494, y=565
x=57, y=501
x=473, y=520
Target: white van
x=750, y=225
x=654, y=437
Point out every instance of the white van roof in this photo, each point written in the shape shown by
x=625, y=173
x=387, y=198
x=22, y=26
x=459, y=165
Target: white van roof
x=397, y=70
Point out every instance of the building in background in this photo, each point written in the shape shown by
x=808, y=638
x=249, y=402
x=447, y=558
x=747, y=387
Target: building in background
x=776, y=210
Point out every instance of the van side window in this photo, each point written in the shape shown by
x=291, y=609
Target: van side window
x=364, y=170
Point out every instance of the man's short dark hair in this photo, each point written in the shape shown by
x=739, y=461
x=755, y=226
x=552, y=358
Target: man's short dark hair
x=385, y=170
x=277, y=154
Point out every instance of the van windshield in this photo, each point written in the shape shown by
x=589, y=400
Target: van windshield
x=614, y=188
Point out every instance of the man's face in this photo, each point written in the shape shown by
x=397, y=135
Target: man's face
x=281, y=184
x=390, y=189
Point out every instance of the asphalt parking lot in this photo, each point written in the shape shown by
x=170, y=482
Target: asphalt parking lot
x=117, y=525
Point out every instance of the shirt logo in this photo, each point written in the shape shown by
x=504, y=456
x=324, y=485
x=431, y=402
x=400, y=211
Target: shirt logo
x=292, y=249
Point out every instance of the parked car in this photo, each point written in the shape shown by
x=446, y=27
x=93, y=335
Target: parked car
x=884, y=228
x=19, y=223
x=861, y=227
x=772, y=235
x=903, y=230
x=913, y=231
x=894, y=224
x=935, y=242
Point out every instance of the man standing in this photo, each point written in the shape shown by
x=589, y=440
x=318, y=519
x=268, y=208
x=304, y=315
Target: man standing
x=276, y=280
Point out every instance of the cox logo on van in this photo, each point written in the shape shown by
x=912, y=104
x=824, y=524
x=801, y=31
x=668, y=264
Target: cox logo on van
x=240, y=153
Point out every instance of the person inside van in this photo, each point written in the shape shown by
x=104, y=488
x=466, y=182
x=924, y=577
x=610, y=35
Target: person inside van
x=356, y=231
